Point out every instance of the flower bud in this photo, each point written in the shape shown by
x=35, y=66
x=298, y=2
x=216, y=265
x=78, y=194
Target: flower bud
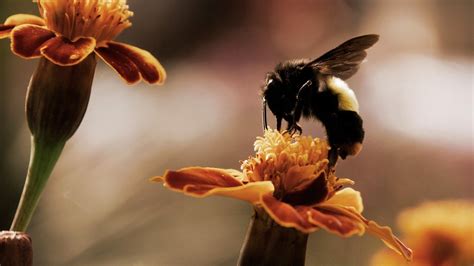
x=15, y=249
x=57, y=98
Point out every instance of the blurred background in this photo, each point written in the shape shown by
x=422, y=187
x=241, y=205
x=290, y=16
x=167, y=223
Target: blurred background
x=415, y=93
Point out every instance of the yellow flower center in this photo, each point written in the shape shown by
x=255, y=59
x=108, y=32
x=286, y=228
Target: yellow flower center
x=292, y=163
x=102, y=20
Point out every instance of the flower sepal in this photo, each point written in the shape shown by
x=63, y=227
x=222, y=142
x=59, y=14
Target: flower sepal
x=58, y=97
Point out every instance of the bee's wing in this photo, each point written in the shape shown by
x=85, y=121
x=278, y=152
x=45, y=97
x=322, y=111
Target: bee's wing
x=344, y=60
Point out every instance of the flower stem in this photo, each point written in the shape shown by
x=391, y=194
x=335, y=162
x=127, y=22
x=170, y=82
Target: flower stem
x=43, y=158
x=268, y=243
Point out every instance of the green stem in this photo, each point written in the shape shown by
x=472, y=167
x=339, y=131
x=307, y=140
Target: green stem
x=268, y=243
x=43, y=158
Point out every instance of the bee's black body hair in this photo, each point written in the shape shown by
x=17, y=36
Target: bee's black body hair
x=314, y=89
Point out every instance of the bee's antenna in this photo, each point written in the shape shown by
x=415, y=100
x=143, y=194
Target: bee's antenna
x=264, y=114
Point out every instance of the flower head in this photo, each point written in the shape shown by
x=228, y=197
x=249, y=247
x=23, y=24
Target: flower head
x=70, y=30
x=102, y=20
x=289, y=179
x=441, y=233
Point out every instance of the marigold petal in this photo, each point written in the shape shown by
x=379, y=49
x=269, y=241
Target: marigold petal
x=202, y=182
x=121, y=64
x=28, y=39
x=382, y=232
x=387, y=236
x=20, y=19
x=64, y=52
x=147, y=65
x=336, y=222
x=299, y=176
x=286, y=215
x=347, y=197
x=5, y=30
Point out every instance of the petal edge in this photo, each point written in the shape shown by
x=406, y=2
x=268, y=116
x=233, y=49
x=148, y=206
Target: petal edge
x=148, y=66
x=204, y=181
x=286, y=215
x=64, y=52
x=28, y=39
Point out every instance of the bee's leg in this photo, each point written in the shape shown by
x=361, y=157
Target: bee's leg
x=332, y=157
x=294, y=127
x=293, y=119
x=264, y=114
x=279, y=118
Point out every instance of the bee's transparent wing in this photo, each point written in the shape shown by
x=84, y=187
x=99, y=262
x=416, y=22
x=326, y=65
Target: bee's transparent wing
x=344, y=60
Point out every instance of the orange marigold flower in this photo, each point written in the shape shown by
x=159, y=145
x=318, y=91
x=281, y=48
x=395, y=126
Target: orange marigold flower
x=440, y=232
x=289, y=179
x=70, y=30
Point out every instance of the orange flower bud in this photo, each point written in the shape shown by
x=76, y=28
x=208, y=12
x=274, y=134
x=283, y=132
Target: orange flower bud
x=15, y=249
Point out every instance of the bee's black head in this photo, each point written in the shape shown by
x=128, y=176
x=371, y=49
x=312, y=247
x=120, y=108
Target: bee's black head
x=279, y=98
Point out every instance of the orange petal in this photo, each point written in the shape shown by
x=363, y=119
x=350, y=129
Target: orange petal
x=386, y=234
x=64, y=52
x=5, y=30
x=16, y=20
x=298, y=176
x=336, y=222
x=286, y=215
x=312, y=194
x=148, y=66
x=20, y=19
x=382, y=232
x=347, y=197
x=121, y=64
x=28, y=39
x=203, y=182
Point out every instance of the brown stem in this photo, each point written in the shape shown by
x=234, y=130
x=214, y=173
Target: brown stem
x=268, y=243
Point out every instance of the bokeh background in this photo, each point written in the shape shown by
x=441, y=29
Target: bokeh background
x=99, y=208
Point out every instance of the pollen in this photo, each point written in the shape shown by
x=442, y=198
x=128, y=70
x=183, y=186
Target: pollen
x=286, y=160
x=102, y=20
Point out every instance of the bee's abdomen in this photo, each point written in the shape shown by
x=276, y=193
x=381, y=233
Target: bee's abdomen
x=345, y=131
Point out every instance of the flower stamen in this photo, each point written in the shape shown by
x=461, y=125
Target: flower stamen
x=102, y=20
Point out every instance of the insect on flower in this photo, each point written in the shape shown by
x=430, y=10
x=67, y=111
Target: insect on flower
x=70, y=30
x=290, y=180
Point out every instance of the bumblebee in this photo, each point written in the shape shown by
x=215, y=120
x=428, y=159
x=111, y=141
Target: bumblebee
x=317, y=89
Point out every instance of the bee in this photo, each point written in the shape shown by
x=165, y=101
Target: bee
x=316, y=89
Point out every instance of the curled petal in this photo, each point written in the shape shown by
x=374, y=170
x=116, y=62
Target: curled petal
x=121, y=64
x=28, y=39
x=386, y=234
x=202, y=182
x=16, y=20
x=314, y=192
x=382, y=232
x=347, y=197
x=132, y=63
x=299, y=176
x=64, y=52
x=335, y=222
x=286, y=215
x=5, y=30
x=20, y=19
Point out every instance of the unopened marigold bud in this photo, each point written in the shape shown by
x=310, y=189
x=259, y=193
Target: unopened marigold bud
x=57, y=98
x=15, y=249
